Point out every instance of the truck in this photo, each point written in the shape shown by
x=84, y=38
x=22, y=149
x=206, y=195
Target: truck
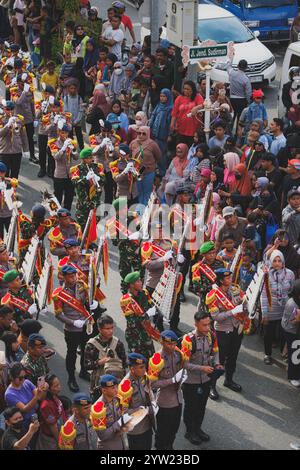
x=272, y=18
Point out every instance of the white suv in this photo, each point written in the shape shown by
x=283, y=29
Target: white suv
x=222, y=26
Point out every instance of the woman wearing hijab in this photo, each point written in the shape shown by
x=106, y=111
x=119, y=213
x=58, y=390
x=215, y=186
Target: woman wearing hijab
x=98, y=110
x=147, y=150
x=157, y=84
x=160, y=125
x=241, y=189
x=79, y=75
x=90, y=61
x=291, y=328
x=79, y=41
x=130, y=74
x=176, y=174
x=231, y=160
x=117, y=81
x=281, y=283
x=280, y=241
x=140, y=120
x=109, y=68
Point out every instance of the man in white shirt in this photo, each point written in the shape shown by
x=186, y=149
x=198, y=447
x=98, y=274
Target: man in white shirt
x=114, y=37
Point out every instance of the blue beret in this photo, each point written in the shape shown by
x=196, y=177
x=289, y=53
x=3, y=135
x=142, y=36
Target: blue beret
x=9, y=105
x=169, y=336
x=63, y=213
x=49, y=89
x=38, y=211
x=135, y=359
x=68, y=269
x=18, y=63
x=108, y=381
x=221, y=272
x=14, y=47
x=124, y=148
x=35, y=340
x=71, y=242
x=81, y=399
x=107, y=125
x=3, y=167
x=65, y=128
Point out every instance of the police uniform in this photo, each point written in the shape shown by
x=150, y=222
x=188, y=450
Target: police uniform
x=169, y=395
x=45, y=117
x=129, y=250
x=229, y=327
x=20, y=302
x=87, y=191
x=84, y=436
x=69, y=306
x=139, y=331
x=196, y=388
x=4, y=268
x=5, y=212
x=58, y=234
x=111, y=438
x=105, y=157
x=126, y=181
x=140, y=438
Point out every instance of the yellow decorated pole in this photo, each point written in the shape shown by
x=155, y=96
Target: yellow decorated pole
x=125, y=392
x=67, y=436
x=98, y=416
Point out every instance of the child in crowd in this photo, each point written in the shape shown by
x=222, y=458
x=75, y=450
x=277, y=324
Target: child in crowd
x=247, y=271
x=228, y=251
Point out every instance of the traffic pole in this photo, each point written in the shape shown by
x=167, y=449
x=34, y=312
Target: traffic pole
x=154, y=26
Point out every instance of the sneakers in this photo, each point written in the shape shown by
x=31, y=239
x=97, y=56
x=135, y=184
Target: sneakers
x=295, y=383
x=268, y=360
x=295, y=445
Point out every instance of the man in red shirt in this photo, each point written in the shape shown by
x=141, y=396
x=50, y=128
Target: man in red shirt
x=120, y=10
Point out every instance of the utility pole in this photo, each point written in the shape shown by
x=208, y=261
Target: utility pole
x=154, y=25
x=192, y=72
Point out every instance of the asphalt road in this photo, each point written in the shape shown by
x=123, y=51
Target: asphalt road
x=264, y=416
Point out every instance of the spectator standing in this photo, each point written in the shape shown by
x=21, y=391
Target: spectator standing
x=240, y=88
x=16, y=437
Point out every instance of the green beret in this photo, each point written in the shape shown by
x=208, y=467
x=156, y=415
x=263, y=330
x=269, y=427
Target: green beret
x=132, y=277
x=207, y=247
x=11, y=275
x=118, y=202
x=86, y=153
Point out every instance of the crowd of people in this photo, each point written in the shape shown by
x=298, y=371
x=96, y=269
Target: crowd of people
x=128, y=137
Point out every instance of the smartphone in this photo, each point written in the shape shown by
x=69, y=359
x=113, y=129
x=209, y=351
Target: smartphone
x=34, y=418
x=41, y=382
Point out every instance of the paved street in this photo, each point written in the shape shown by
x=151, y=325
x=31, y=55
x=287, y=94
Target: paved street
x=265, y=415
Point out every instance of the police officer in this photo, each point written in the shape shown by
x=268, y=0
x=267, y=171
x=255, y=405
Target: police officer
x=112, y=437
x=6, y=264
x=224, y=302
x=202, y=367
x=65, y=229
x=169, y=395
x=140, y=438
x=85, y=437
x=70, y=308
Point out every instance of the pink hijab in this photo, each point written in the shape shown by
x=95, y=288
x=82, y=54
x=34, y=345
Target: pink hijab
x=179, y=163
x=99, y=101
x=232, y=160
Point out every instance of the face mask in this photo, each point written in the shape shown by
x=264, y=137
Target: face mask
x=118, y=71
x=138, y=122
x=18, y=426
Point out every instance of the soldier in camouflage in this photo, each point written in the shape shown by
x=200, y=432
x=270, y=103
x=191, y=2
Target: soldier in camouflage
x=88, y=179
x=127, y=242
x=19, y=297
x=136, y=306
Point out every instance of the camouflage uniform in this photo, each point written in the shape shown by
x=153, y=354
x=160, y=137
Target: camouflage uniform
x=129, y=251
x=88, y=196
x=202, y=284
x=35, y=369
x=3, y=269
x=138, y=340
x=24, y=294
